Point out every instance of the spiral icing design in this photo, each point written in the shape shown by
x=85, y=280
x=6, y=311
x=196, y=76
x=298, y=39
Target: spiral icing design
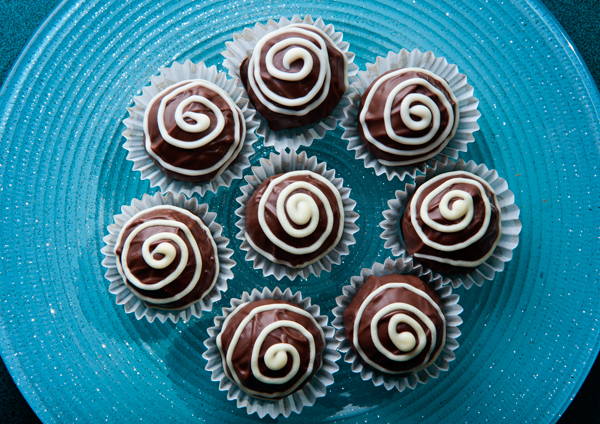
x=452, y=222
x=395, y=324
x=167, y=257
x=295, y=76
x=270, y=348
x=193, y=131
x=295, y=218
x=407, y=116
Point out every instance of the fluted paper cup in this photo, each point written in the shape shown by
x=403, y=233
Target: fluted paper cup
x=242, y=46
x=468, y=113
x=125, y=297
x=134, y=133
x=511, y=226
x=278, y=164
x=451, y=310
x=294, y=402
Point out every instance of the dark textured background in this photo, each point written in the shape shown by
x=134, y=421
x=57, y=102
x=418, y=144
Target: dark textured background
x=20, y=19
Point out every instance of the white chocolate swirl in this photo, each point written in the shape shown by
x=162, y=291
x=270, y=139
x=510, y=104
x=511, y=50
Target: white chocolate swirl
x=301, y=51
x=201, y=124
x=168, y=251
x=414, y=104
x=302, y=210
x=276, y=356
x=462, y=210
x=405, y=341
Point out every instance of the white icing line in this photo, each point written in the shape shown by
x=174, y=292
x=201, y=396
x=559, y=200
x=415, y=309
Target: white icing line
x=397, y=307
x=126, y=273
x=163, y=236
x=267, y=96
x=184, y=86
x=404, y=341
x=227, y=357
x=277, y=357
x=429, y=111
x=166, y=249
x=394, y=336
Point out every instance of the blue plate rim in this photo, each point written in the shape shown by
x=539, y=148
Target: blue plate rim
x=18, y=72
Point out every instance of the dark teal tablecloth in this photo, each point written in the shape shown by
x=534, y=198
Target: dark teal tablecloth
x=20, y=19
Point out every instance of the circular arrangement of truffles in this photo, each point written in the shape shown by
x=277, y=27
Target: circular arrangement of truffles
x=167, y=257
x=295, y=76
x=295, y=218
x=270, y=348
x=452, y=223
x=407, y=116
x=395, y=324
x=193, y=131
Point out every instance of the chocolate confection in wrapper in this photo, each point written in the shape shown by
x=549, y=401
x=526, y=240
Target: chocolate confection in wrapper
x=395, y=324
x=271, y=348
x=167, y=257
x=295, y=218
x=407, y=116
x=452, y=223
x=193, y=131
x=295, y=76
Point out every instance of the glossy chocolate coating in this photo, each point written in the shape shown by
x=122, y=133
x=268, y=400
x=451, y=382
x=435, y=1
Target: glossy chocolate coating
x=297, y=89
x=256, y=233
x=381, y=300
x=192, y=159
x=374, y=118
x=148, y=275
x=241, y=358
x=475, y=251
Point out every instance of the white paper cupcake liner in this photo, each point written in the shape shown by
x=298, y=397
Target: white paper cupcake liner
x=285, y=162
x=511, y=226
x=134, y=133
x=451, y=310
x=242, y=46
x=468, y=113
x=124, y=296
x=307, y=396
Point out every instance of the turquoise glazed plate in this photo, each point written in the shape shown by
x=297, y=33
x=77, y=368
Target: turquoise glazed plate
x=529, y=337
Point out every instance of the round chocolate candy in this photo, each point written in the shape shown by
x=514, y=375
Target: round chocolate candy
x=295, y=76
x=167, y=257
x=295, y=219
x=407, y=116
x=193, y=131
x=271, y=348
x=452, y=223
x=395, y=324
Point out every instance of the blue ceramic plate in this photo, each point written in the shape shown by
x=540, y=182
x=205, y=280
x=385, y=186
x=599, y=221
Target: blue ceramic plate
x=528, y=337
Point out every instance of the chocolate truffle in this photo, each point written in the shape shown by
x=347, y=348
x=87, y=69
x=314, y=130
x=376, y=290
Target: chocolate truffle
x=295, y=219
x=452, y=223
x=193, y=131
x=270, y=348
x=167, y=257
x=295, y=76
x=395, y=324
x=407, y=116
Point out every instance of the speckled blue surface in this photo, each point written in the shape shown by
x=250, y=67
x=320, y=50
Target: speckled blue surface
x=521, y=333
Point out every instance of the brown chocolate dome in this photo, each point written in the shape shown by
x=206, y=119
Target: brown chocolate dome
x=452, y=223
x=295, y=76
x=271, y=348
x=167, y=257
x=395, y=324
x=193, y=131
x=407, y=116
x=295, y=218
